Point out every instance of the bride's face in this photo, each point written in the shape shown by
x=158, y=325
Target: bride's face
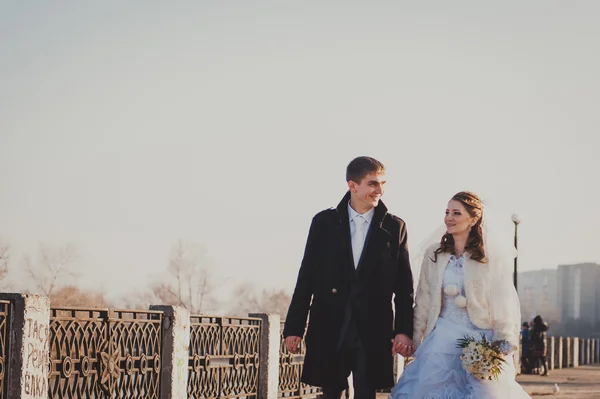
x=457, y=219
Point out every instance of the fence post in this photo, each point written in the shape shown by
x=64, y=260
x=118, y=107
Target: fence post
x=576, y=352
x=174, y=351
x=567, y=352
x=517, y=359
x=28, y=358
x=588, y=347
x=597, y=350
x=398, y=367
x=268, y=371
x=551, y=344
x=588, y=351
x=560, y=353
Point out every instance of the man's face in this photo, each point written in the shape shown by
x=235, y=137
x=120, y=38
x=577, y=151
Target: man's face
x=366, y=195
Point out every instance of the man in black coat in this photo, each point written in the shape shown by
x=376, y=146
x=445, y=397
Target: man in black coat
x=356, y=260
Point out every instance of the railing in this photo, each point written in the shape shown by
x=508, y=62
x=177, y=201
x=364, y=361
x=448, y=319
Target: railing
x=104, y=353
x=556, y=354
x=165, y=353
x=4, y=329
x=566, y=352
x=223, y=357
x=290, y=371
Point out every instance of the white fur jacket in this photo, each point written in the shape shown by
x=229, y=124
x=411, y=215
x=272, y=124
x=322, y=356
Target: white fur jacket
x=492, y=301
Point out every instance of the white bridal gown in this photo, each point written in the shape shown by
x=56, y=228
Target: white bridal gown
x=437, y=372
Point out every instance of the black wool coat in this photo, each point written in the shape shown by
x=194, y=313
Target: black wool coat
x=327, y=281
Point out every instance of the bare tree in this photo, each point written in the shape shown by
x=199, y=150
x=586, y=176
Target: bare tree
x=189, y=281
x=136, y=300
x=247, y=299
x=52, y=268
x=74, y=296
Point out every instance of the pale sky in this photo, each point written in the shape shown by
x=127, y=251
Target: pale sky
x=127, y=125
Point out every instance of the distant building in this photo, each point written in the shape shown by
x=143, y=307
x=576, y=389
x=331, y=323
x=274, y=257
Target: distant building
x=538, y=293
x=579, y=297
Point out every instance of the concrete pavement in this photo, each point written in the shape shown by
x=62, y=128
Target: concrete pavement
x=573, y=383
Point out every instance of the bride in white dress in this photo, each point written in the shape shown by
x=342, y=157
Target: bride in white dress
x=465, y=289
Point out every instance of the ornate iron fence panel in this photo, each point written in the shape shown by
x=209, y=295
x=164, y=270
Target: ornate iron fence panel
x=136, y=337
x=4, y=329
x=101, y=353
x=290, y=371
x=223, y=357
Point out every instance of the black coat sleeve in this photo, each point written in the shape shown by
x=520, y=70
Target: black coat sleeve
x=297, y=315
x=403, y=288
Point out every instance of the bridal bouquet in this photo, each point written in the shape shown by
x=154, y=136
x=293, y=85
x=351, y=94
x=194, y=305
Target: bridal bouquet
x=482, y=358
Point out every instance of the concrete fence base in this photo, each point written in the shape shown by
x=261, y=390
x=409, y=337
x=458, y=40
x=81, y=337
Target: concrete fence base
x=29, y=350
x=268, y=371
x=175, y=351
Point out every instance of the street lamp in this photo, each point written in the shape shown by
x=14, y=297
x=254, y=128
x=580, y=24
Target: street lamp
x=516, y=220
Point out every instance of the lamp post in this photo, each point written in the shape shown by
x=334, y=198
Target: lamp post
x=516, y=220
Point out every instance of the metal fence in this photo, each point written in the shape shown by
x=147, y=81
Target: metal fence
x=104, y=353
x=4, y=330
x=223, y=357
x=290, y=371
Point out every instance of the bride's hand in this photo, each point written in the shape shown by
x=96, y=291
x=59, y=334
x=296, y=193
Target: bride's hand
x=403, y=346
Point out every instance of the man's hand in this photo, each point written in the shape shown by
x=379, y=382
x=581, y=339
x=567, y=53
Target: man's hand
x=403, y=346
x=293, y=344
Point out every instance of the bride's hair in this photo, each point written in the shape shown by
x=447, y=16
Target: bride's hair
x=475, y=247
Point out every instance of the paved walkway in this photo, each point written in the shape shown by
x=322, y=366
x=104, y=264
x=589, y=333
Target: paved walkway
x=573, y=383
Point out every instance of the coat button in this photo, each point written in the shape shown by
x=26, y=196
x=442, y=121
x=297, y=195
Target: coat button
x=334, y=291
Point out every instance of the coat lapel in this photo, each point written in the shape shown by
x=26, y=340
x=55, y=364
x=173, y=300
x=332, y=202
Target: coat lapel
x=442, y=261
x=343, y=233
x=376, y=236
x=473, y=274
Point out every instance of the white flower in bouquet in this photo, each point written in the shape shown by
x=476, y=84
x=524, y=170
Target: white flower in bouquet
x=461, y=301
x=482, y=358
x=451, y=290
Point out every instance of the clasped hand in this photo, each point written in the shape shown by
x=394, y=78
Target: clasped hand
x=402, y=345
x=292, y=344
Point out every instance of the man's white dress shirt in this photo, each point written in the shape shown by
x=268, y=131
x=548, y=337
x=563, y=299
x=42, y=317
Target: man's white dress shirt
x=359, y=226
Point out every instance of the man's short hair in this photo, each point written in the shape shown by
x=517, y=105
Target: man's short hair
x=359, y=167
